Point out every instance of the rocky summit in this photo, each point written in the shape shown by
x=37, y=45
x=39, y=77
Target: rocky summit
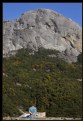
x=43, y=28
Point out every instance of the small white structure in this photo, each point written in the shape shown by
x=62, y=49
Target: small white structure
x=41, y=114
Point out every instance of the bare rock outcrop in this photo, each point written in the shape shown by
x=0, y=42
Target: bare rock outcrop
x=43, y=28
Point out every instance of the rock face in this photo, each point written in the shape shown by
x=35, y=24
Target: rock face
x=43, y=28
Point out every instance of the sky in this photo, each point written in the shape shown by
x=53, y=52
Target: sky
x=12, y=11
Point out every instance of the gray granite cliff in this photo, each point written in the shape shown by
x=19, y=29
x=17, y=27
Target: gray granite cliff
x=43, y=28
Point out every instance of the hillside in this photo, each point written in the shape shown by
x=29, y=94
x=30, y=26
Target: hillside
x=52, y=82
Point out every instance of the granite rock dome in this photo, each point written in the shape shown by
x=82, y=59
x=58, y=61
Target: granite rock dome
x=43, y=28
